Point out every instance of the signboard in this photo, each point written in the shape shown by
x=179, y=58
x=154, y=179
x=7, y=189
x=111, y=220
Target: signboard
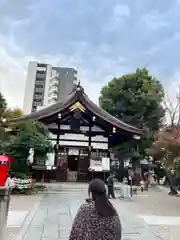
x=106, y=164
x=49, y=167
x=95, y=165
x=50, y=159
x=100, y=165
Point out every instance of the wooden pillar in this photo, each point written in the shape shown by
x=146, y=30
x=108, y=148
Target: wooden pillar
x=57, y=139
x=89, y=141
x=89, y=150
x=58, y=133
x=108, y=154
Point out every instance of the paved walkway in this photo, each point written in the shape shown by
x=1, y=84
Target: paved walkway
x=53, y=219
x=20, y=208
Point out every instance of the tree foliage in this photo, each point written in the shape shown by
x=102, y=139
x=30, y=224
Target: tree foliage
x=136, y=99
x=30, y=134
x=12, y=113
x=19, y=138
x=3, y=104
x=166, y=149
x=166, y=146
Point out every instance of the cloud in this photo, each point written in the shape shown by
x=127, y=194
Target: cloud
x=100, y=38
x=121, y=11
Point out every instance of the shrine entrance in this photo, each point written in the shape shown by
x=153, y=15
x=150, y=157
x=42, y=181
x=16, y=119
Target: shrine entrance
x=72, y=164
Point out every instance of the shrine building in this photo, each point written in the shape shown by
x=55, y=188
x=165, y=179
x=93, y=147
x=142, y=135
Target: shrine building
x=82, y=135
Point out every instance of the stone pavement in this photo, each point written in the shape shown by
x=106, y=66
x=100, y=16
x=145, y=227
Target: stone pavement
x=20, y=208
x=53, y=219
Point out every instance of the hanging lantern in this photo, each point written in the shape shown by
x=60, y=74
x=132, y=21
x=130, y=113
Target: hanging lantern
x=94, y=118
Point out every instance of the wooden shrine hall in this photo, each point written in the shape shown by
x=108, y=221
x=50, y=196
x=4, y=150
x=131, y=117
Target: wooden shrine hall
x=82, y=135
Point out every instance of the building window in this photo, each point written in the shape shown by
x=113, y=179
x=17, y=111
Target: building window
x=38, y=93
x=42, y=65
x=40, y=72
x=39, y=86
x=40, y=79
x=38, y=100
x=40, y=83
x=34, y=108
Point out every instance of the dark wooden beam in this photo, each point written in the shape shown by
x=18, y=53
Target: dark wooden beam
x=93, y=134
x=78, y=140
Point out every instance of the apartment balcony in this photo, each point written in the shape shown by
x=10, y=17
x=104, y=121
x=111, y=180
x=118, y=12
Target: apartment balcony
x=52, y=100
x=75, y=73
x=53, y=88
x=54, y=81
x=41, y=65
x=40, y=76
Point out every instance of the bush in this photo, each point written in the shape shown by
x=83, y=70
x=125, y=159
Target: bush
x=25, y=191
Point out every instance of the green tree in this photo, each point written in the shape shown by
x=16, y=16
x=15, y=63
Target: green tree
x=135, y=99
x=3, y=105
x=29, y=134
x=12, y=113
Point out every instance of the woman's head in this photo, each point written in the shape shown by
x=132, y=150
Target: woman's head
x=97, y=190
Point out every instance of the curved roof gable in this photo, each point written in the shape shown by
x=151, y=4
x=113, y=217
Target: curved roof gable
x=78, y=94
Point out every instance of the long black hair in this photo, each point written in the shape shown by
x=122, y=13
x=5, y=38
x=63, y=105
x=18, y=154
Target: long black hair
x=103, y=206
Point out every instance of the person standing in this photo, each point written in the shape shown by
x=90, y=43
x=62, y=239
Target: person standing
x=110, y=186
x=10, y=181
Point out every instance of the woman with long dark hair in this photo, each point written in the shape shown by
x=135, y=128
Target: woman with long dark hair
x=97, y=219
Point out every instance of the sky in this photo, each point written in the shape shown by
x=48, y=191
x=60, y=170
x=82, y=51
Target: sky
x=100, y=38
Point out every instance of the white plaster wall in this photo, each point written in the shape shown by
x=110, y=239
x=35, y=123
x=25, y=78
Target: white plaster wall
x=29, y=88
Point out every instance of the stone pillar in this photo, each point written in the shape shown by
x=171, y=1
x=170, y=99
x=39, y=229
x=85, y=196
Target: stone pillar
x=4, y=208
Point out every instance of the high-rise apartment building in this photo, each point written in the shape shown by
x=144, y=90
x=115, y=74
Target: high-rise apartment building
x=46, y=85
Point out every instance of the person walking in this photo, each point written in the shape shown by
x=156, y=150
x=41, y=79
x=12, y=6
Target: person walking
x=110, y=186
x=97, y=219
